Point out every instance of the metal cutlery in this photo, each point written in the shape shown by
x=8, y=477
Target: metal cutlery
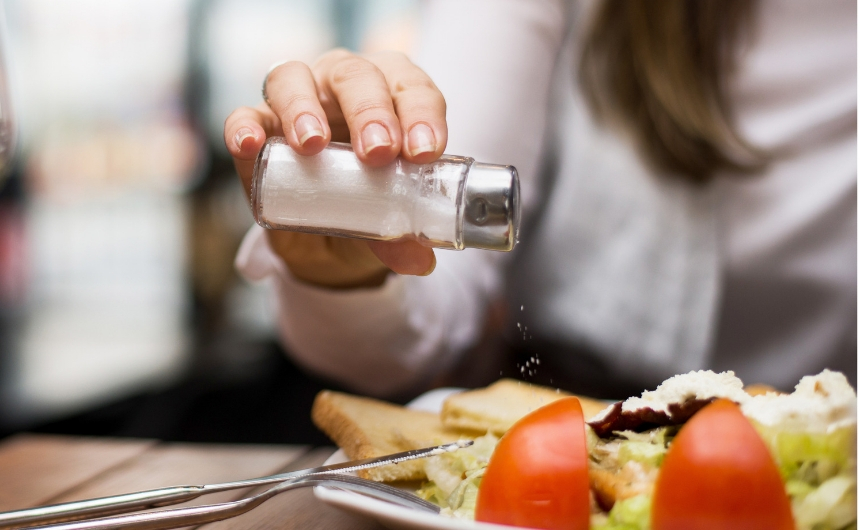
x=131, y=502
x=197, y=515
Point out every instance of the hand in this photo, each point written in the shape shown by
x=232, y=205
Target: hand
x=385, y=106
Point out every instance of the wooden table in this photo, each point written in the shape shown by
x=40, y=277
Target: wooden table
x=43, y=469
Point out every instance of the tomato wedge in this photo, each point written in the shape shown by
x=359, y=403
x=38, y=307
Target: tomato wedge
x=718, y=474
x=538, y=474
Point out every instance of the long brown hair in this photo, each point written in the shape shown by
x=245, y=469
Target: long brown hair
x=660, y=67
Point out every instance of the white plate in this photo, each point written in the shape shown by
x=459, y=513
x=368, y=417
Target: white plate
x=390, y=515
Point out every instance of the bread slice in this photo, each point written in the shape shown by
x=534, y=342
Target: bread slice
x=497, y=407
x=367, y=428
x=759, y=389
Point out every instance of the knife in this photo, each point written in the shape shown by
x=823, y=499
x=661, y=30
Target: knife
x=141, y=500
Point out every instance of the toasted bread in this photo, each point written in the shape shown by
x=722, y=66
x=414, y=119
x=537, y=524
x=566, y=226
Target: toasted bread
x=367, y=428
x=759, y=389
x=498, y=406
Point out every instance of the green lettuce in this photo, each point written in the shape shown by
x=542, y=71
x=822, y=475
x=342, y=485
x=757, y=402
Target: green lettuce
x=628, y=514
x=820, y=474
x=647, y=448
x=454, y=478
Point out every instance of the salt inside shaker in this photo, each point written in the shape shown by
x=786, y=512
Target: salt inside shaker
x=451, y=203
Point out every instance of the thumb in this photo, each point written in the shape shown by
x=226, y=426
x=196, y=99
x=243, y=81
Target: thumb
x=404, y=257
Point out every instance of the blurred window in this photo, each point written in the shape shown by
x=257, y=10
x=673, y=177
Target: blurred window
x=120, y=108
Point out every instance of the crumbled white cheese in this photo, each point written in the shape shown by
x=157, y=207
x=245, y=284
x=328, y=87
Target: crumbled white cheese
x=819, y=403
x=699, y=385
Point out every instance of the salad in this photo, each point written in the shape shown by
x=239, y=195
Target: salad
x=634, y=450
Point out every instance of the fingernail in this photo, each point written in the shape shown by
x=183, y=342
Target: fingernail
x=421, y=140
x=432, y=267
x=374, y=135
x=307, y=127
x=241, y=135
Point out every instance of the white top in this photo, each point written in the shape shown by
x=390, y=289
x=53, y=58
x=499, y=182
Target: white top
x=753, y=274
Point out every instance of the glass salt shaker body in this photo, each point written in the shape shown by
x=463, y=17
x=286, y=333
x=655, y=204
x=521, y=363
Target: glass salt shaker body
x=451, y=203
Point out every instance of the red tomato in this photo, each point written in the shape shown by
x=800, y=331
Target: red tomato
x=538, y=474
x=718, y=474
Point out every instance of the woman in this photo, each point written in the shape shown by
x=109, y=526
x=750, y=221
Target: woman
x=689, y=185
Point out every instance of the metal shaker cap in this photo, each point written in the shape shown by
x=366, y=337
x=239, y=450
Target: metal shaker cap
x=491, y=216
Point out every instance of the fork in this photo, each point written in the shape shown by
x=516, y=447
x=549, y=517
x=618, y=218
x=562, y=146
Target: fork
x=197, y=515
x=91, y=509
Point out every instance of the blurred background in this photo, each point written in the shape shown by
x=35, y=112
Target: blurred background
x=120, y=214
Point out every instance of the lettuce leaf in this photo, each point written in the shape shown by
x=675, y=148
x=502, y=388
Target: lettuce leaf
x=820, y=474
x=454, y=477
x=628, y=514
x=831, y=505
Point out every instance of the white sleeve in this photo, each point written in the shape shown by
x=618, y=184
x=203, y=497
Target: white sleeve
x=493, y=60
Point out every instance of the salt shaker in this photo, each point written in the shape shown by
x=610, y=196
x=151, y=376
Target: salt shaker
x=451, y=203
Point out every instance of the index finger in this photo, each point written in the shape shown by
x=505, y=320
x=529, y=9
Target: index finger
x=291, y=92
